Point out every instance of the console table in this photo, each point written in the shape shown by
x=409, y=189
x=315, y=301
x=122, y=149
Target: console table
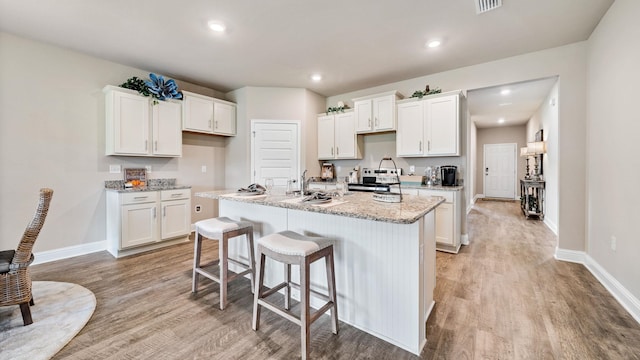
x=532, y=198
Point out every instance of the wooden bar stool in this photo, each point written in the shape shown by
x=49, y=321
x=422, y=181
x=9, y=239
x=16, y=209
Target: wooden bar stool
x=290, y=248
x=223, y=229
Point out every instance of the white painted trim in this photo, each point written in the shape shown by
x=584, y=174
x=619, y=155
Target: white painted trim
x=68, y=252
x=254, y=122
x=464, y=239
x=624, y=296
x=478, y=196
x=551, y=225
x=628, y=301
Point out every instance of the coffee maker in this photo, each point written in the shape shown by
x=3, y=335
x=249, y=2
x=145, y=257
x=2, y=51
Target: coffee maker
x=448, y=175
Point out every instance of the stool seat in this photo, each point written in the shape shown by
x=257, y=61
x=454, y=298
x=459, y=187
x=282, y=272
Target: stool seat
x=291, y=248
x=223, y=229
x=291, y=243
x=214, y=228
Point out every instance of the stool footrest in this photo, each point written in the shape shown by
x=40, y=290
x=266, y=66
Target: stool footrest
x=322, y=296
x=230, y=277
x=273, y=290
x=284, y=313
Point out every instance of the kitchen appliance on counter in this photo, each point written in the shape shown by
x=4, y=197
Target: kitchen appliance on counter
x=327, y=171
x=448, y=175
x=376, y=180
x=354, y=175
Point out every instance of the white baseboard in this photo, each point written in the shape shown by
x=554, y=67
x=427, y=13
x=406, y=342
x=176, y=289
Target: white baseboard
x=464, y=239
x=551, y=225
x=628, y=301
x=478, y=196
x=67, y=252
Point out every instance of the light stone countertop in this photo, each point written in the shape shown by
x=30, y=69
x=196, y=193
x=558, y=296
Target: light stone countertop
x=355, y=204
x=433, y=187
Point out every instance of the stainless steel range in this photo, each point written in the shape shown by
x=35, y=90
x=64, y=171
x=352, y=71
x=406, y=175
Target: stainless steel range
x=377, y=180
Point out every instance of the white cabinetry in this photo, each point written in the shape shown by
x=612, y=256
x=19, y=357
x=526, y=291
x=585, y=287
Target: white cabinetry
x=429, y=127
x=143, y=220
x=337, y=138
x=376, y=113
x=205, y=114
x=139, y=126
x=448, y=217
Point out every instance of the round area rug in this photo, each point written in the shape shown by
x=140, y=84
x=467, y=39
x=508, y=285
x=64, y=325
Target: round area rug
x=61, y=310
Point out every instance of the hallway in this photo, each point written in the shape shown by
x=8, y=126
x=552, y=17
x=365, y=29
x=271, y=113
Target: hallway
x=505, y=297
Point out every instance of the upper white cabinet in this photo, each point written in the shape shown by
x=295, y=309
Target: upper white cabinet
x=139, y=126
x=337, y=138
x=205, y=114
x=429, y=126
x=376, y=113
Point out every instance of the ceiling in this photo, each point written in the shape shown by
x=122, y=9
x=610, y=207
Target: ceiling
x=514, y=107
x=354, y=44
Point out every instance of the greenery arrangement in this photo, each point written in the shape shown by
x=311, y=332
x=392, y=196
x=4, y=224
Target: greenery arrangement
x=427, y=91
x=156, y=87
x=335, y=109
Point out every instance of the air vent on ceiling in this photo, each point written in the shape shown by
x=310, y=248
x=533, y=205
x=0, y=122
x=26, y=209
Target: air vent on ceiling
x=487, y=5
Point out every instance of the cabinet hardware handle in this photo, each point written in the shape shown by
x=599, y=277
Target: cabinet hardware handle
x=377, y=122
x=140, y=197
x=369, y=119
x=331, y=151
x=176, y=195
x=156, y=145
x=429, y=145
x=337, y=151
x=420, y=146
x=209, y=124
x=154, y=213
x=215, y=124
x=164, y=211
x=146, y=145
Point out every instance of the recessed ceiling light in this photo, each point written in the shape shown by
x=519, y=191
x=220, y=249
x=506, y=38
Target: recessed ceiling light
x=316, y=77
x=505, y=92
x=434, y=43
x=501, y=121
x=504, y=104
x=216, y=26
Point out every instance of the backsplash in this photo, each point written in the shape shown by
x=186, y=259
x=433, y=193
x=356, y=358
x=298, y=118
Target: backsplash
x=119, y=184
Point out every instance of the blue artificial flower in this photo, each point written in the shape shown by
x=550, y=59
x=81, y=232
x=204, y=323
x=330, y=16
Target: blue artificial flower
x=161, y=89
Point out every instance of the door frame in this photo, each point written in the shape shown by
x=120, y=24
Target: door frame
x=252, y=135
x=515, y=169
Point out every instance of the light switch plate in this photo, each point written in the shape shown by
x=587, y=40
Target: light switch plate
x=204, y=168
x=115, y=169
x=412, y=169
x=148, y=168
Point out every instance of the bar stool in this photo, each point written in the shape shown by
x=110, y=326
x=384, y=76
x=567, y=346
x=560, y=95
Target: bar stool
x=223, y=229
x=290, y=248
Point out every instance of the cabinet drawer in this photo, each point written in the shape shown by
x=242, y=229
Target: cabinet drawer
x=447, y=195
x=175, y=194
x=139, y=197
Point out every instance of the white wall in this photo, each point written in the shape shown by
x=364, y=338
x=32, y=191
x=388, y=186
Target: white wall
x=52, y=135
x=569, y=62
x=546, y=118
x=614, y=128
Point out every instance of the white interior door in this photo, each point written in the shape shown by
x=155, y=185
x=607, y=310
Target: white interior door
x=275, y=149
x=500, y=170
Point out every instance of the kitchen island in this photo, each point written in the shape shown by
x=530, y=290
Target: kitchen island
x=384, y=255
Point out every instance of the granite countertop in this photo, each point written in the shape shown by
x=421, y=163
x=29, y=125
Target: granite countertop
x=152, y=185
x=355, y=204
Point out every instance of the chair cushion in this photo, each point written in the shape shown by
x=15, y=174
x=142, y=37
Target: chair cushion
x=215, y=227
x=292, y=243
x=5, y=259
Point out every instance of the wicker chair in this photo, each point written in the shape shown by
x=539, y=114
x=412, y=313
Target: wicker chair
x=15, y=279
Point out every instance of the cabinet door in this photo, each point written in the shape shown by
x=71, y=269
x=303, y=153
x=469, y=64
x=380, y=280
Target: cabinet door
x=176, y=218
x=326, y=130
x=139, y=224
x=362, y=113
x=384, y=118
x=198, y=114
x=345, y=136
x=167, y=129
x=444, y=224
x=410, y=134
x=224, y=118
x=442, y=121
x=130, y=124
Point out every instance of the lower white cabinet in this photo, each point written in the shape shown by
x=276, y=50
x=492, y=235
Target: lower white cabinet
x=448, y=217
x=140, y=221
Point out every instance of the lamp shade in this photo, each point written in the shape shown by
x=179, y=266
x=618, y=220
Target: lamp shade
x=524, y=151
x=537, y=148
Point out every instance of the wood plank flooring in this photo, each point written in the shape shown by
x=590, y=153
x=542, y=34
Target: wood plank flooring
x=502, y=297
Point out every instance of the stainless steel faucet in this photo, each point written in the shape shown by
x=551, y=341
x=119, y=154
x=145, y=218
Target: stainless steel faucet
x=303, y=183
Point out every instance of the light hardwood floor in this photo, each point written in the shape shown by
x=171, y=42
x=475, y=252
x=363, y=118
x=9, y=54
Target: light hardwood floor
x=502, y=297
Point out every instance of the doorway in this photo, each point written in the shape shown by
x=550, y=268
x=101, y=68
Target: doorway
x=500, y=170
x=275, y=151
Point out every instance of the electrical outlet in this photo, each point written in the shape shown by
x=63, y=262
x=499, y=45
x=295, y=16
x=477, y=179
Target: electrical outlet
x=614, y=240
x=412, y=169
x=115, y=169
x=203, y=169
x=148, y=167
x=198, y=208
